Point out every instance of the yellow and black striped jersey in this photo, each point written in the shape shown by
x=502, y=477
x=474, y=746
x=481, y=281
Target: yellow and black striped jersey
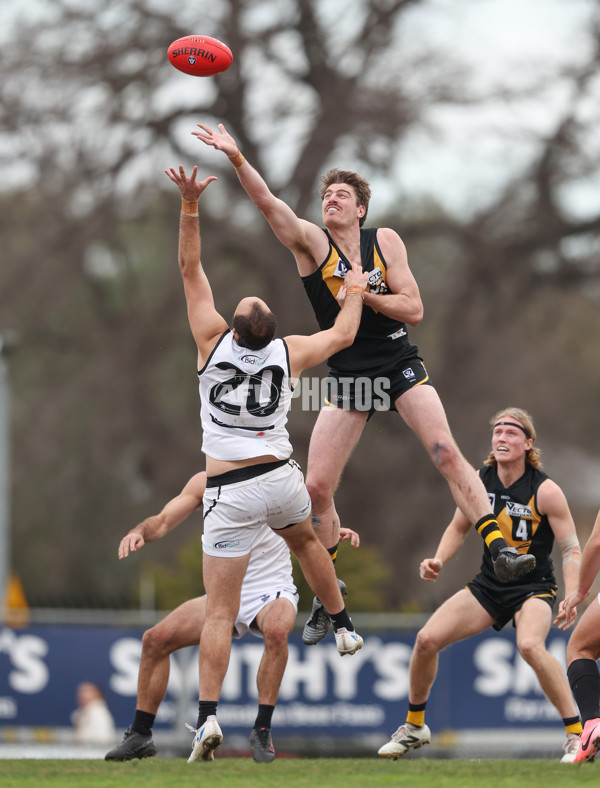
x=381, y=341
x=520, y=521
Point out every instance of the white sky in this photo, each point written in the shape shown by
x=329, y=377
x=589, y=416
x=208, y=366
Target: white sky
x=507, y=41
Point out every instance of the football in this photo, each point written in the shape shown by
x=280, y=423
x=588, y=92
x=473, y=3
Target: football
x=200, y=56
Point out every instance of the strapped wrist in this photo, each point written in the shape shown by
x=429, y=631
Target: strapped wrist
x=237, y=160
x=355, y=289
x=189, y=207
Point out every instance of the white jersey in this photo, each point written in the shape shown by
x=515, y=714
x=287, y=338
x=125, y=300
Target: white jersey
x=245, y=397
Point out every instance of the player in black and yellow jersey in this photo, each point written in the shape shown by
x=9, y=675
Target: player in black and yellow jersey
x=382, y=369
x=532, y=513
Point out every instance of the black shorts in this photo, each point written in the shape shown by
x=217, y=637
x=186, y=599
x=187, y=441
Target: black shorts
x=374, y=391
x=502, y=602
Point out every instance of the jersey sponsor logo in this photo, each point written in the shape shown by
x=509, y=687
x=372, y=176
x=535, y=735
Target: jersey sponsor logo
x=254, y=361
x=225, y=545
x=492, y=498
x=518, y=510
x=377, y=283
x=397, y=334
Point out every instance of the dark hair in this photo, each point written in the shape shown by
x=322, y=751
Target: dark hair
x=257, y=328
x=361, y=187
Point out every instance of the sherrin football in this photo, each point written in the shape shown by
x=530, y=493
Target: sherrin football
x=200, y=56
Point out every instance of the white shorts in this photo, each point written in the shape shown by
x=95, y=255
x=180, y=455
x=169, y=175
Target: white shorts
x=250, y=608
x=234, y=512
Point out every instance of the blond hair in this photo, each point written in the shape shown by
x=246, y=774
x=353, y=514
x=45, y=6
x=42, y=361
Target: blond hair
x=533, y=455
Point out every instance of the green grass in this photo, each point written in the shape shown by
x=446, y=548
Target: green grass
x=298, y=773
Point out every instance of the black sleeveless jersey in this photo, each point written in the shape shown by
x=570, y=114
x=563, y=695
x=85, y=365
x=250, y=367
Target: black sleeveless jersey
x=381, y=342
x=521, y=523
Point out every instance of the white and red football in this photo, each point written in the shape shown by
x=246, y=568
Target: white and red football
x=200, y=56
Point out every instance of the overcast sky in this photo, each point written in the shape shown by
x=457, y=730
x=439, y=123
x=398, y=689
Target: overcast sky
x=508, y=41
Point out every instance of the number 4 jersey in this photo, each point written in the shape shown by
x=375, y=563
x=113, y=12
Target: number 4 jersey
x=520, y=521
x=245, y=397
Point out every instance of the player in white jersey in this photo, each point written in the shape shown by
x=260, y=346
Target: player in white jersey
x=583, y=648
x=251, y=478
x=268, y=605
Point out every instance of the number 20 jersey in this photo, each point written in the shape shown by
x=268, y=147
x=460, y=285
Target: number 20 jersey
x=245, y=397
x=520, y=521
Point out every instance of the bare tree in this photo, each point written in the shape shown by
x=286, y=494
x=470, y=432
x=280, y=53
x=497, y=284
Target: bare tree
x=104, y=379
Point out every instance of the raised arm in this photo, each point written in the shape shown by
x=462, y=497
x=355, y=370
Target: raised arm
x=307, y=242
x=403, y=303
x=308, y=351
x=174, y=512
x=205, y=322
x=452, y=540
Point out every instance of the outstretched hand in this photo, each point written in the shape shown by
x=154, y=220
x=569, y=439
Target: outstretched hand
x=130, y=543
x=189, y=187
x=219, y=140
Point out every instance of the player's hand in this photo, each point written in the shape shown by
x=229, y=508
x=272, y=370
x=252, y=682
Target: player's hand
x=429, y=568
x=348, y=535
x=219, y=140
x=341, y=295
x=567, y=610
x=130, y=543
x=356, y=276
x=353, y=277
x=189, y=187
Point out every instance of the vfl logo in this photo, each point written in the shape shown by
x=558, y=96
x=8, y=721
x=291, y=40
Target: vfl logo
x=492, y=497
x=518, y=510
x=409, y=374
x=257, y=393
x=191, y=60
x=341, y=269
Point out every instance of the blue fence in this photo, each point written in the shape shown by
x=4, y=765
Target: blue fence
x=482, y=682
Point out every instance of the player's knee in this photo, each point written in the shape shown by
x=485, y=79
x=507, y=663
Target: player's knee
x=445, y=455
x=153, y=642
x=531, y=650
x=276, y=636
x=426, y=644
x=321, y=494
x=301, y=541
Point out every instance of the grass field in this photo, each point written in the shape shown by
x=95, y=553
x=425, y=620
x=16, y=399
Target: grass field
x=298, y=773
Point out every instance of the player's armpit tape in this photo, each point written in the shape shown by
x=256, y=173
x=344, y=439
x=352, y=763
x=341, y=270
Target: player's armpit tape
x=570, y=549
